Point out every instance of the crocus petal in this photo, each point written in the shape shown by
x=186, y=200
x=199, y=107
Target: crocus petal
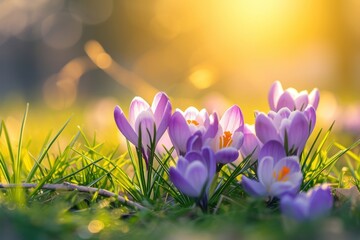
x=182, y=165
x=294, y=207
x=159, y=105
x=321, y=200
x=274, y=149
x=161, y=108
x=291, y=162
x=296, y=178
x=298, y=131
x=124, y=126
x=265, y=129
x=195, y=142
x=251, y=144
x=182, y=183
x=282, y=115
x=265, y=171
x=302, y=100
x=179, y=132
x=197, y=176
x=314, y=98
x=286, y=100
x=146, y=122
x=213, y=127
x=203, y=117
x=293, y=92
x=253, y=187
x=232, y=120
x=226, y=155
x=137, y=106
x=194, y=156
x=274, y=94
x=237, y=140
x=278, y=189
x=210, y=163
x=311, y=116
x=191, y=113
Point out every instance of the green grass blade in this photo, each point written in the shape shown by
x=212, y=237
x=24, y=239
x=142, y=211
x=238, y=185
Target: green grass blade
x=8, y=143
x=242, y=167
x=330, y=162
x=44, y=152
x=17, y=165
x=4, y=169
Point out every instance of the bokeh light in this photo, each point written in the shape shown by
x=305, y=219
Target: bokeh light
x=64, y=53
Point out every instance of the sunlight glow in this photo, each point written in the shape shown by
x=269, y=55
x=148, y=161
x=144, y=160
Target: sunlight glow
x=202, y=78
x=95, y=226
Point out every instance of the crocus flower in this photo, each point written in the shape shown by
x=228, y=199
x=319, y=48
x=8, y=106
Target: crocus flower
x=228, y=139
x=277, y=174
x=291, y=98
x=144, y=118
x=251, y=144
x=291, y=128
x=231, y=129
x=194, y=173
x=183, y=125
x=305, y=206
x=222, y=156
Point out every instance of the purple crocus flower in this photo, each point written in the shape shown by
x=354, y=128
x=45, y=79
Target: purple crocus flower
x=251, y=144
x=194, y=173
x=291, y=98
x=277, y=174
x=183, y=125
x=145, y=117
x=229, y=137
x=222, y=156
x=305, y=206
x=291, y=128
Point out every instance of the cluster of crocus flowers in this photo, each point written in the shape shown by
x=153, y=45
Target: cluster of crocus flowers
x=291, y=128
x=280, y=137
x=205, y=142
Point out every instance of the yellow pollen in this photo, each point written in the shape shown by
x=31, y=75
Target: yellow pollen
x=192, y=122
x=283, y=174
x=225, y=140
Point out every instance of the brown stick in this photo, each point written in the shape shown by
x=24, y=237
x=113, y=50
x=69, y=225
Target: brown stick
x=71, y=187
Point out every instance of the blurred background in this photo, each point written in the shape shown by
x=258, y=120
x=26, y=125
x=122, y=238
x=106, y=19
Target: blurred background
x=83, y=57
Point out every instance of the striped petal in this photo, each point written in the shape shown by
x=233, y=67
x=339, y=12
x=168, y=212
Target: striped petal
x=124, y=126
x=265, y=129
x=161, y=108
x=232, y=120
x=274, y=94
x=137, y=106
x=226, y=155
x=314, y=98
x=286, y=100
x=253, y=187
x=182, y=183
x=179, y=132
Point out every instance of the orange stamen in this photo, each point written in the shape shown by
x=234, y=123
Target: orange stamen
x=192, y=122
x=283, y=174
x=225, y=140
